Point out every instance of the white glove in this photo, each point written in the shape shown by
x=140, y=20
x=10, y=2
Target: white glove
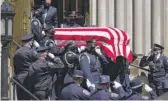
x=43, y=32
x=81, y=48
x=89, y=84
x=147, y=88
x=98, y=50
x=36, y=44
x=149, y=53
x=116, y=85
x=51, y=55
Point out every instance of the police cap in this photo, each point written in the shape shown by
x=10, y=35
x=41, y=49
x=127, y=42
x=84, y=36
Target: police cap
x=27, y=37
x=78, y=73
x=42, y=49
x=159, y=46
x=136, y=83
x=104, y=79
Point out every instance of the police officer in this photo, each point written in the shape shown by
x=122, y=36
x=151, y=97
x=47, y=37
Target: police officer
x=74, y=91
x=36, y=27
x=136, y=87
x=42, y=74
x=90, y=64
x=102, y=92
x=23, y=58
x=158, y=65
x=72, y=62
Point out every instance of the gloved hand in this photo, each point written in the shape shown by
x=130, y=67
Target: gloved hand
x=147, y=88
x=43, y=33
x=51, y=55
x=89, y=84
x=98, y=50
x=80, y=49
x=116, y=85
x=36, y=44
x=149, y=53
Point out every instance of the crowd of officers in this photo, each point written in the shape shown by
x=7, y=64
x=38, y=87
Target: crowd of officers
x=71, y=73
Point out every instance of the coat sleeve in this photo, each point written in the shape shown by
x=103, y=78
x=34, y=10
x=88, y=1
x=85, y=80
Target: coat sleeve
x=143, y=61
x=57, y=51
x=58, y=62
x=31, y=77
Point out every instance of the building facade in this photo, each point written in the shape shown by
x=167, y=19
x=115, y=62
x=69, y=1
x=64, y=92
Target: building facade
x=146, y=21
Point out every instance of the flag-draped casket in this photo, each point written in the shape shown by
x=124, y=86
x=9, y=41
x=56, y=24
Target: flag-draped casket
x=113, y=42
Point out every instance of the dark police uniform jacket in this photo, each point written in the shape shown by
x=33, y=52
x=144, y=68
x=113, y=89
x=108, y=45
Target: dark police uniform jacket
x=42, y=77
x=74, y=92
x=137, y=96
x=103, y=94
x=23, y=58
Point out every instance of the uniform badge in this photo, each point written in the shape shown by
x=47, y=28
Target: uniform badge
x=86, y=92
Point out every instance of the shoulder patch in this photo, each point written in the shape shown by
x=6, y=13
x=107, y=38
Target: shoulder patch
x=35, y=23
x=114, y=95
x=86, y=92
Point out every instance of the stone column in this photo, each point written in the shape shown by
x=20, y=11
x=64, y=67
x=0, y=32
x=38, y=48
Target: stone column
x=156, y=21
x=120, y=14
x=147, y=25
x=128, y=20
x=165, y=43
x=93, y=12
x=102, y=14
x=138, y=24
x=111, y=13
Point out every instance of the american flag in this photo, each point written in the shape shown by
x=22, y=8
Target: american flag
x=113, y=41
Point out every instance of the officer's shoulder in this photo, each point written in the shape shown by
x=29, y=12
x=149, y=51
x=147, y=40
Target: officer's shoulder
x=35, y=22
x=55, y=9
